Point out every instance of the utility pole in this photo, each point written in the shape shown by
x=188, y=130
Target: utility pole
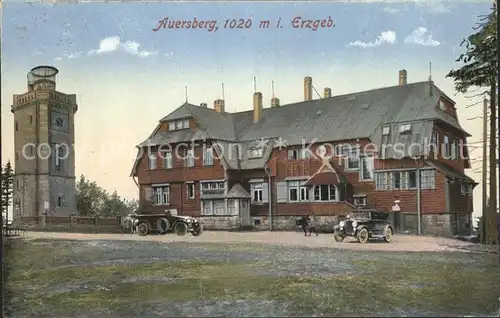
x=491, y=227
x=484, y=213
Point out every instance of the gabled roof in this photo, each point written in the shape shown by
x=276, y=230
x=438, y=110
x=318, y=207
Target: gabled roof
x=345, y=117
x=449, y=171
x=238, y=192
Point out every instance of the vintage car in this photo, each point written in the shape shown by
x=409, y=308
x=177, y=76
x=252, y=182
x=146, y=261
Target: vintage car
x=164, y=223
x=365, y=225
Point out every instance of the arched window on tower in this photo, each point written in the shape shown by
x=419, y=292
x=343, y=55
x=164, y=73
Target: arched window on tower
x=59, y=122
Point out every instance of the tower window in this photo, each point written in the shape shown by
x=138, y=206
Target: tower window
x=17, y=125
x=60, y=201
x=31, y=119
x=59, y=122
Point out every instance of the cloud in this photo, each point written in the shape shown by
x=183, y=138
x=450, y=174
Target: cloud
x=58, y=58
x=421, y=37
x=388, y=37
x=113, y=44
x=106, y=45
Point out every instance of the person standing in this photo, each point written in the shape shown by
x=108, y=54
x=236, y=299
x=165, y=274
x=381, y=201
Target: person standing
x=311, y=226
x=303, y=224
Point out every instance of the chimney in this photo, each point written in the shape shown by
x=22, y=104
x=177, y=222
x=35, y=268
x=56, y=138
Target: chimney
x=204, y=105
x=328, y=92
x=275, y=102
x=403, y=77
x=308, y=83
x=257, y=106
x=219, y=105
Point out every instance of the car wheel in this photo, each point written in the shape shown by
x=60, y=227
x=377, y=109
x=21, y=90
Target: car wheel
x=181, y=228
x=362, y=236
x=338, y=238
x=163, y=225
x=197, y=230
x=142, y=229
x=388, y=235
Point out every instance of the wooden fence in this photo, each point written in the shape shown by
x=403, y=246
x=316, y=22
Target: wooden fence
x=72, y=223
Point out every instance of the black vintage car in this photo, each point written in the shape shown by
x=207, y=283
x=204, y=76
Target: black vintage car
x=365, y=225
x=164, y=223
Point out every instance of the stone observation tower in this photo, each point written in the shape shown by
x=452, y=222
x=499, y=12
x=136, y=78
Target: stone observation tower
x=44, y=134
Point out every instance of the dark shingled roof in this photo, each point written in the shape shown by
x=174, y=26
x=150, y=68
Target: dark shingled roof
x=345, y=117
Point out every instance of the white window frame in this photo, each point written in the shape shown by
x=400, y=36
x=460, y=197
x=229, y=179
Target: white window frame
x=219, y=210
x=404, y=128
x=178, y=124
x=293, y=185
x=304, y=194
x=466, y=189
x=152, y=161
x=208, y=208
x=427, y=179
x=359, y=201
x=185, y=124
x=442, y=105
x=208, y=157
x=447, y=146
x=256, y=191
x=370, y=163
x=320, y=187
x=455, y=149
x=171, y=125
x=386, y=130
x=351, y=155
x=293, y=154
x=189, y=158
x=191, y=190
x=167, y=159
x=255, y=153
x=161, y=195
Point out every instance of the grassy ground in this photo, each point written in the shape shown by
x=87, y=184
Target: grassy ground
x=62, y=278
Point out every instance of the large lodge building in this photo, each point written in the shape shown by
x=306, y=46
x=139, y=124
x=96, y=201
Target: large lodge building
x=398, y=149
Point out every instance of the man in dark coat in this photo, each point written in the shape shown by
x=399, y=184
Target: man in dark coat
x=303, y=224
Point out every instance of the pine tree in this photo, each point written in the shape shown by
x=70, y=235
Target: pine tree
x=7, y=183
x=479, y=70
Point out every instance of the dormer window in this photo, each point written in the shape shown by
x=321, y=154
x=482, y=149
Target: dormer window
x=177, y=125
x=404, y=129
x=386, y=130
x=256, y=153
x=442, y=105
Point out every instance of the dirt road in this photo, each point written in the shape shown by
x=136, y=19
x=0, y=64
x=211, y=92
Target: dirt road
x=403, y=243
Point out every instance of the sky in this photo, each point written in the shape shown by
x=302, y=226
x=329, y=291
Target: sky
x=127, y=76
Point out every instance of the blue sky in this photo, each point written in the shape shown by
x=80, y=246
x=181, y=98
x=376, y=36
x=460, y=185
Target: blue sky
x=127, y=77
